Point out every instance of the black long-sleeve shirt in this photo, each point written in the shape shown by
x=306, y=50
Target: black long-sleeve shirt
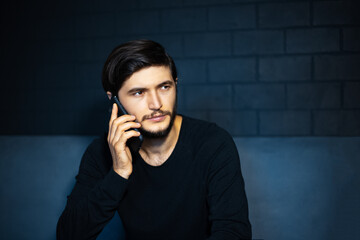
x=198, y=193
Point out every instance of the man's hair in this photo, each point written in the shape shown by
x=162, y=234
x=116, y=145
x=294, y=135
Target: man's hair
x=131, y=57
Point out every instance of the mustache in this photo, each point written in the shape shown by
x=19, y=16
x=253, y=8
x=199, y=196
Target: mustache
x=156, y=113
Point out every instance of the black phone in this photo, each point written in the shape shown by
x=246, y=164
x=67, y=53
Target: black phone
x=133, y=143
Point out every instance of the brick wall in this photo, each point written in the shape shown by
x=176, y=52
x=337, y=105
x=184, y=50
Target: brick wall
x=256, y=67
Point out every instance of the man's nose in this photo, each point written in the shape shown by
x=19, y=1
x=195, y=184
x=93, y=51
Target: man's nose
x=154, y=101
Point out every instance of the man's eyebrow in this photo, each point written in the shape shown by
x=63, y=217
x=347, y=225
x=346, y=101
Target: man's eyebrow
x=133, y=90
x=166, y=82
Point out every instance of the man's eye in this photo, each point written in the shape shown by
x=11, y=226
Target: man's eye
x=165, y=87
x=138, y=93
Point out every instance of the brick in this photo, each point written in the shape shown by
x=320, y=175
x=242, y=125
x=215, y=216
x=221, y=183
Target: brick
x=251, y=1
x=158, y=3
x=5, y=95
x=60, y=100
x=205, y=2
x=172, y=43
x=291, y=68
x=191, y=71
x=104, y=46
x=47, y=9
x=336, y=12
x=25, y=78
x=181, y=96
x=232, y=17
x=203, y=115
x=137, y=22
x=42, y=30
x=351, y=40
x=57, y=51
x=312, y=40
x=96, y=6
x=280, y=15
x=96, y=50
x=76, y=122
x=352, y=95
x=56, y=75
x=24, y=126
x=259, y=96
x=22, y=103
x=90, y=98
x=115, y=5
x=176, y=20
x=207, y=44
x=258, y=42
x=337, y=123
x=99, y=25
x=285, y=123
x=86, y=6
x=8, y=124
x=232, y=70
x=208, y=97
x=89, y=75
x=342, y=67
x=240, y=123
x=314, y=96
x=62, y=27
x=84, y=50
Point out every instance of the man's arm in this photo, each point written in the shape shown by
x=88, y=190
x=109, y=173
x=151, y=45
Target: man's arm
x=227, y=200
x=99, y=189
x=93, y=201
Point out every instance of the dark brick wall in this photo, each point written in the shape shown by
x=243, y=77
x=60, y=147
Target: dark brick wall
x=256, y=67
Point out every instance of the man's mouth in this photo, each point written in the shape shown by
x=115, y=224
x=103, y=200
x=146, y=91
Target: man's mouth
x=157, y=118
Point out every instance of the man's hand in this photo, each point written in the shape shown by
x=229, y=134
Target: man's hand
x=118, y=134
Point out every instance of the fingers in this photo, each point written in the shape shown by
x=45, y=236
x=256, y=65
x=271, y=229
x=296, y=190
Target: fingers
x=121, y=129
x=114, y=118
x=121, y=142
x=119, y=125
x=114, y=112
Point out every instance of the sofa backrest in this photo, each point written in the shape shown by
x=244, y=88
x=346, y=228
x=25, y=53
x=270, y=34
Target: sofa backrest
x=298, y=188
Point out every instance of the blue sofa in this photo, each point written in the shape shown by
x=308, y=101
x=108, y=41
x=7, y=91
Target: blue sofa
x=298, y=188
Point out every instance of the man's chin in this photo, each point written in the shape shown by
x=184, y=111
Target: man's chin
x=158, y=133
x=155, y=134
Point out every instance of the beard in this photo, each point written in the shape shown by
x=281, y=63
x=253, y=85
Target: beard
x=161, y=133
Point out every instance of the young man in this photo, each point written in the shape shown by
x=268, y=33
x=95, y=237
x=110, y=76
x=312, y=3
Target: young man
x=183, y=183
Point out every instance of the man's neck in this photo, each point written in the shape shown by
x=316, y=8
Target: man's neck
x=155, y=151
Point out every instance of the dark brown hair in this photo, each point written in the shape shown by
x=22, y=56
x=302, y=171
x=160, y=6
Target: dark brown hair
x=131, y=57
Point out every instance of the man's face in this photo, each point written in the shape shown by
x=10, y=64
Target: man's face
x=150, y=95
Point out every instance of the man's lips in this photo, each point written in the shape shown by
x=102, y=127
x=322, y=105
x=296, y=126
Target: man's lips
x=157, y=118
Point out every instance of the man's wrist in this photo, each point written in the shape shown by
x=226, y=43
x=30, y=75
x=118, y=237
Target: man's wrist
x=124, y=173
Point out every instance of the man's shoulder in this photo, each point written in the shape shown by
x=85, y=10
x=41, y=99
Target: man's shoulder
x=99, y=144
x=98, y=152
x=205, y=131
x=208, y=142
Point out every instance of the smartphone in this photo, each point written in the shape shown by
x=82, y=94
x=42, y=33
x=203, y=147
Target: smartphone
x=133, y=143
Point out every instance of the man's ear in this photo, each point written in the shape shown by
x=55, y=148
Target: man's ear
x=176, y=81
x=109, y=95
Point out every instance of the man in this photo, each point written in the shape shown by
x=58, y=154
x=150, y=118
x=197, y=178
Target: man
x=183, y=183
